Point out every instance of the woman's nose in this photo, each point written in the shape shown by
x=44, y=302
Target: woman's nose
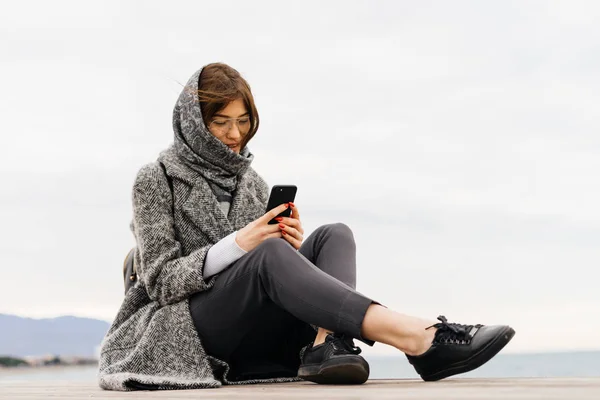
x=234, y=132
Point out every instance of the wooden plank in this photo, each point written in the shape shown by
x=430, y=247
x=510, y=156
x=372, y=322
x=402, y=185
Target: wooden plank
x=551, y=388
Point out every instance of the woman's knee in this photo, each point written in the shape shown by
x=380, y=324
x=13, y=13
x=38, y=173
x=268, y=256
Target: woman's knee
x=338, y=229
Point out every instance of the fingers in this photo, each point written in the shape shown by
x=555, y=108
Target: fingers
x=295, y=213
x=273, y=213
x=289, y=231
x=274, y=235
x=294, y=223
x=269, y=229
x=294, y=239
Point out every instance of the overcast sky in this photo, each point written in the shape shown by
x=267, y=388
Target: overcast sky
x=459, y=140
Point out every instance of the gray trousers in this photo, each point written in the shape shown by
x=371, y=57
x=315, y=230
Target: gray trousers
x=265, y=301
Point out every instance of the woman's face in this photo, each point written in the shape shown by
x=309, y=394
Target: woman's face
x=231, y=124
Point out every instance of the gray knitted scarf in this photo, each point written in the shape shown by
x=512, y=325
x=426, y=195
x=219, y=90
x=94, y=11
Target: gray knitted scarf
x=195, y=148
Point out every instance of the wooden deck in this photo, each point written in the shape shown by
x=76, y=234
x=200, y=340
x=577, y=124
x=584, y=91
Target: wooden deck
x=547, y=389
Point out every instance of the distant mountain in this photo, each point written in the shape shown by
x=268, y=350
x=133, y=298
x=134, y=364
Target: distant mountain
x=63, y=336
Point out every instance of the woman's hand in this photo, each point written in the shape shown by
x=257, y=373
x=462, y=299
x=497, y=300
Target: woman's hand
x=259, y=230
x=291, y=228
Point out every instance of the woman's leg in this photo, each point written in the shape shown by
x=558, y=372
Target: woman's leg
x=271, y=347
x=332, y=249
x=455, y=349
x=320, y=294
x=274, y=273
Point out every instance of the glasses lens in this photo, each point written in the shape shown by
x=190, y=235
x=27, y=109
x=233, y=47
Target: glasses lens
x=244, y=125
x=222, y=126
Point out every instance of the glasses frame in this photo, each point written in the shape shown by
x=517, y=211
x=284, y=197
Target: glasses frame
x=237, y=122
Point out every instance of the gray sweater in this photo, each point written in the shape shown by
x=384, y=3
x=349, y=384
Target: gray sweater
x=226, y=251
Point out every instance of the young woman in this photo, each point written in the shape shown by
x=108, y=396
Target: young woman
x=223, y=297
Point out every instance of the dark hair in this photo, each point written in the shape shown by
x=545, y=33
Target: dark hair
x=221, y=84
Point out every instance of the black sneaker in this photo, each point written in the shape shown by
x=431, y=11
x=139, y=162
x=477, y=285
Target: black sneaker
x=335, y=361
x=459, y=348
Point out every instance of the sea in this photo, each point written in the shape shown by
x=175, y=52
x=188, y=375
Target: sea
x=568, y=364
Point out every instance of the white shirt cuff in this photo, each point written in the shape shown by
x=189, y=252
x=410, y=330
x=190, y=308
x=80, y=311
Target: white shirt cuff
x=221, y=255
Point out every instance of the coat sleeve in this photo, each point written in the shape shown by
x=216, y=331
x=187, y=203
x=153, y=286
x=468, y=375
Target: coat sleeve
x=167, y=276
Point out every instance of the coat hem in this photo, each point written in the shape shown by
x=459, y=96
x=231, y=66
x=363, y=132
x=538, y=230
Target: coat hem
x=125, y=381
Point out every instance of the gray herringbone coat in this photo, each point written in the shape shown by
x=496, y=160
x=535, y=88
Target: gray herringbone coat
x=152, y=343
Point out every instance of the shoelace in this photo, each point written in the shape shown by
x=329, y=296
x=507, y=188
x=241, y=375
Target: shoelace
x=453, y=333
x=340, y=341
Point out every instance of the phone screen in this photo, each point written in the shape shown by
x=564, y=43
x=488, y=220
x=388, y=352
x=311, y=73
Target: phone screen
x=281, y=194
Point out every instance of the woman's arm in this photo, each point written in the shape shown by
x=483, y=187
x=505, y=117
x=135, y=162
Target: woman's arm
x=167, y=276
x=221, y=255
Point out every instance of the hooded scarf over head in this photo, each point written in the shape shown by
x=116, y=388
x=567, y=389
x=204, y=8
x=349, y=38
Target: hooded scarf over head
x=197, y=149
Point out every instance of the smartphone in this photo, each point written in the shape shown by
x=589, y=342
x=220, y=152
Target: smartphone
x=281, y=194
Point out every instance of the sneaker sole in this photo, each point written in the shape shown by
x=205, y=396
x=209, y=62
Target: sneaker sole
x=476, y=360
x=336, y=372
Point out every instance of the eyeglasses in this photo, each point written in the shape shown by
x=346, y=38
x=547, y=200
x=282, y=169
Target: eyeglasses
x=222, y=126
